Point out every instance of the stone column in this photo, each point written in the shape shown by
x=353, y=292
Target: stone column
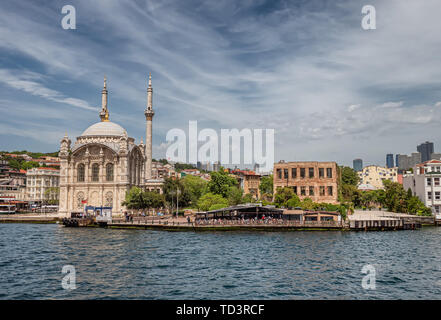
x=149, y=113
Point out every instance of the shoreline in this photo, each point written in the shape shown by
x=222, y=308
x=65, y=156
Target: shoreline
x=203, y=228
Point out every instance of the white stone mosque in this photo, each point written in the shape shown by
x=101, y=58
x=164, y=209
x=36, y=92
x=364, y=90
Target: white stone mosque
x=104, y=163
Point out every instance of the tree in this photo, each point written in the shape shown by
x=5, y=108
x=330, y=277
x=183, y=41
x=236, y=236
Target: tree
x=266, y=186
x=174, y=190
x=293, y=202
x=307, y=204
x=134, y=199
x=220, y=183
x=29, y=165
x=349, y=176
x=209, y=199
x=248, y=198
x=283, y=195
x=195, y=186
x=235, y=196
x=152, y=200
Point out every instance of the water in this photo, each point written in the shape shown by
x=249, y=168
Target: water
x=144, y=264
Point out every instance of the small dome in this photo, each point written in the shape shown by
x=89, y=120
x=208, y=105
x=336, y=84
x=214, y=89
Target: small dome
x=105, y=128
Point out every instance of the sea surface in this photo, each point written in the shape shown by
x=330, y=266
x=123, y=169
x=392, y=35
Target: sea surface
x=144, y=264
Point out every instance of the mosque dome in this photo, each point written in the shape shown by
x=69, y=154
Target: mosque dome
x=105, y=128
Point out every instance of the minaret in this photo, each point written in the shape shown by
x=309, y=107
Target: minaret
x=149, y=113
x=104, y=114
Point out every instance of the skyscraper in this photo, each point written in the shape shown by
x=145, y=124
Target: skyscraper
x=390, y=160
x=426, y=149
x=357, y=164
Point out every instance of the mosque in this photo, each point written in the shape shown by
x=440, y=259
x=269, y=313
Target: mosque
x=104, y=163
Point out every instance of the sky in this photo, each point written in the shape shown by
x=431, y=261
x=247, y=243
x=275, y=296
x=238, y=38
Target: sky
x=331, y=90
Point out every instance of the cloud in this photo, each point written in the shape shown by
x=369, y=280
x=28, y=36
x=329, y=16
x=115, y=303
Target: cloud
x=391, y=104
x=27, y=82
x=330, y=89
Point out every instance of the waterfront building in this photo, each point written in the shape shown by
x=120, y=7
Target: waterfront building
x=375, y=175
x=425, y=182
x=389, y=160
x=308, y=179
x=426, y=149
x=357, y=164
x=104, y=163
x=249, y=182
x=42, y=184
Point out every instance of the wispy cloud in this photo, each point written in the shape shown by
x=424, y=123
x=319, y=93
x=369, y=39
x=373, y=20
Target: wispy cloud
x=329, y=88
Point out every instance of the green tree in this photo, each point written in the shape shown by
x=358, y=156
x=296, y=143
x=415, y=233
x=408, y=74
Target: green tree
x=195, y=186
x=15, y=164
x=152, y=200
x=134, y=199
x=349, y=176
x=248, y=198
x=235, y=196
x=283, y=194
x=174, y=190
x=307, y=204
x=266, y=185
x=209, y=199
x=293, y=202
x=220, y=183
x=29, y=165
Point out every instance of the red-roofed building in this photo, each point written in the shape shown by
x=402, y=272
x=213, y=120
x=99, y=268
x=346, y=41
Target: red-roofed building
x=249, y=181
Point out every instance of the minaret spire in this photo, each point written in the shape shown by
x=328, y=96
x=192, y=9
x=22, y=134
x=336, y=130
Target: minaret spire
x=104, y=114
x=149, y=113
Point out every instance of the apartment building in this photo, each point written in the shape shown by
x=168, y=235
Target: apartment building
x=425, y=182
x=375, y=175
x=42, y=184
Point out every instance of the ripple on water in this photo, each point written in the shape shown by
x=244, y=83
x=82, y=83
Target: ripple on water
x=138, y=264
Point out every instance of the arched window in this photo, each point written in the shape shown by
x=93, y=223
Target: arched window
x=80, y=173
x=95, y=172
x=109, y=172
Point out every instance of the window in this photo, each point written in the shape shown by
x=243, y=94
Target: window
x=311, y=172
x=437, y=195
x=329, y=172
x=285, y=173
x=302, y=172
x=303, y=191
x=429, y=181
x=330, y=191
x=95, y=172
x=279, y=173
x=436, y=181
x=294, y=189
x=321, y=172
x=294, y=172
x=109, y=172
x=311, y=191
x=80, y=173
x=429, y=195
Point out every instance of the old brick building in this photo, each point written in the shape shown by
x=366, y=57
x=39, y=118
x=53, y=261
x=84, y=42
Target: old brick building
x=310, y=179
